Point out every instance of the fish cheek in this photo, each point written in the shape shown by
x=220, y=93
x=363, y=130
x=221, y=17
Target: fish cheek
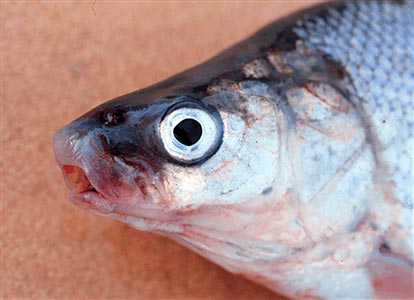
x=125, y=167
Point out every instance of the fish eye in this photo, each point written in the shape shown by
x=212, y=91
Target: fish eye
x=190, y=132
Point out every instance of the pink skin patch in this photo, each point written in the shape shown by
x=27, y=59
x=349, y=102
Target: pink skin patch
x=392, y=278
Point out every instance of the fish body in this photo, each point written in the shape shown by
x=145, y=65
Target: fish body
x=288, y=158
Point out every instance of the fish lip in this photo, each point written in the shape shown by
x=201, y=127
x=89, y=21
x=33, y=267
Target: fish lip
x=72, y=151
x=83, y=192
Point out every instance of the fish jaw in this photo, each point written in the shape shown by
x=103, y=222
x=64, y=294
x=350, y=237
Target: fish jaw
x=102, y=183
x=69, y=148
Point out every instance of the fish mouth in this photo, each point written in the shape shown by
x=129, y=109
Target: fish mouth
x=86, y=195
x=83, y=193
x=76, y=179
x=95, y=178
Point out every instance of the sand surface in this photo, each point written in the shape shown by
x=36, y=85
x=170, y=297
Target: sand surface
x=58, y=60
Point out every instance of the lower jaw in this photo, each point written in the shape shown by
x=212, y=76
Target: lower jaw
x=92, y=201
x=151, y=225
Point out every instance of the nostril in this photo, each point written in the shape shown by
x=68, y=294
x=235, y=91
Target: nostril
x=113, y=117
x=76, y=178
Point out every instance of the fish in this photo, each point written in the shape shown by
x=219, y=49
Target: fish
x=287, y=158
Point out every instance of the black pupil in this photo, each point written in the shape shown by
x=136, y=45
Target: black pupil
x=188, y=132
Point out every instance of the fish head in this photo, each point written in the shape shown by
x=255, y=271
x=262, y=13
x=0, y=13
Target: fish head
x=240, y=173
x=161, y=160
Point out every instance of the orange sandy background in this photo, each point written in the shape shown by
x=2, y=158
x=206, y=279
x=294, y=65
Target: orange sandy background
x=58, y=60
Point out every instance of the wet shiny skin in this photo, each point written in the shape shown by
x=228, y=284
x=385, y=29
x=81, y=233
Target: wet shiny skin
x=54, y=249
x=283, y=132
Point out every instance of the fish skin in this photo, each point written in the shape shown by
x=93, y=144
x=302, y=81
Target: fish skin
x=310, y=190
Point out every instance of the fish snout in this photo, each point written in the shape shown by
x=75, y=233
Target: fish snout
x=64, y=144
x=68, y=148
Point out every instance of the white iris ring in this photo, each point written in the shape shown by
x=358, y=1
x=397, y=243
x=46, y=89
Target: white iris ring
x=180, y=151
